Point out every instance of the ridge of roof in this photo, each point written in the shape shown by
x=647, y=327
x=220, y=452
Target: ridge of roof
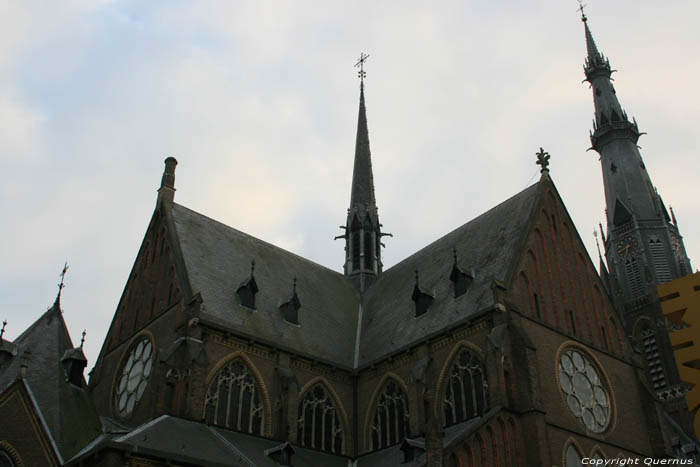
x=256, y=239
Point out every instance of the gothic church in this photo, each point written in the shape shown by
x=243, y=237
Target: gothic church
x=497, y=345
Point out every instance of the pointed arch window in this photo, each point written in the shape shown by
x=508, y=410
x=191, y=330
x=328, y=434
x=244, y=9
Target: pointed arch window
x=390, y=422
x=233, y=399
x=573, y=457
x=466, y=392
x=318, y=423
x=355, y=243
x=368, y=253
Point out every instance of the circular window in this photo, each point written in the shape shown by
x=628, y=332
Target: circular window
x=134, y=377
x=583, y=390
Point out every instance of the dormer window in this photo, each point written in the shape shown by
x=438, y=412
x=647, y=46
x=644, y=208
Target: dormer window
x=290, y=308
x=460, y=280
x=281, y=454
x=421, y=298
x=247, y=290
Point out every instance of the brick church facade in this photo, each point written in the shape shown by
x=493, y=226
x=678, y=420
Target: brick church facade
x=498, y=344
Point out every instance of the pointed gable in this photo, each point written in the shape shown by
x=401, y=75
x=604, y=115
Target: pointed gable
x=67, y=409
x=554, y=280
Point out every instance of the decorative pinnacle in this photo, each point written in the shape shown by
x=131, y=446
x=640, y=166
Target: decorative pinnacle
x=2, y=331
x=361, y=63
x=580, y=8
x=252, y=266
x=595, y=234
x=543, y=160
x=294, y=285
x=416, y=276
x=82, y=340
x=454, y=254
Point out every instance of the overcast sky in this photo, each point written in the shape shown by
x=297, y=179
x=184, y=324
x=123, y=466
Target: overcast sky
x=258, y=102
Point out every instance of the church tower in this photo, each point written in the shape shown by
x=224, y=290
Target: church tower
x=363, y=233
x=643, y=246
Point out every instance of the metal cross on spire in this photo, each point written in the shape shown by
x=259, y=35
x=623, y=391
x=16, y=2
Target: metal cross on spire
x=2, y=331
x=82, y=340
x=361, y=63
x=543, y=160
x=580, y=8
x=62, y=285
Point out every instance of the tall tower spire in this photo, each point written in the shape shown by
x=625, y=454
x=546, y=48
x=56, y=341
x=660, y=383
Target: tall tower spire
x=362, y=228
x=643, y=248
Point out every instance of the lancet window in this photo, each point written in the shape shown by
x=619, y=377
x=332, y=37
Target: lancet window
x=233, y=399
x=466, y=394
x=390, y=422
x=318, y=424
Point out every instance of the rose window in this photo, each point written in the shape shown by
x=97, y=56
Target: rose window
x=134, y=377
x=583, y=390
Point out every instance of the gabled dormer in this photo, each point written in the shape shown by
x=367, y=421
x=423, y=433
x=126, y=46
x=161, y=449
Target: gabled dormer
x=246, y=291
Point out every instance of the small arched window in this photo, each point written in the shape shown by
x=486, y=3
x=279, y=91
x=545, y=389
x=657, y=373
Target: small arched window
x=465, y=388
x=233, y=399
x=318, y=424
x=390, y=422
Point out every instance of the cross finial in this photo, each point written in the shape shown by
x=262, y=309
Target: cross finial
x=82, y=340
x=2, y=331
x=580, y=8
x=543, y=160
x=361, y=63
x=63, y=275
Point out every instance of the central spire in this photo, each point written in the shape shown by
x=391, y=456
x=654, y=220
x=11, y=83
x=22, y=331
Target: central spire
x=362, y=193
x=362, y=228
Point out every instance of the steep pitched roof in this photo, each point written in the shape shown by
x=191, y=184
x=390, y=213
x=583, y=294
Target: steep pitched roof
x=217, y=259
x=68, y=411
x=487, y=245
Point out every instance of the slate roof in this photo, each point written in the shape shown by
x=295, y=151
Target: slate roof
x=486, y=246
x=217, y=259
x=196, y=443
x=67, y=410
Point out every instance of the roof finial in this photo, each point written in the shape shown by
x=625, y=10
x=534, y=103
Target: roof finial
x=417, y=277
x=595, y=234
x=543, y=160
x=294, y=285
x=580, y=8
x=2, y=331
x=454, y=254
x=61, y=285
x=252, y=266
x=361, y=63
x=82, y=340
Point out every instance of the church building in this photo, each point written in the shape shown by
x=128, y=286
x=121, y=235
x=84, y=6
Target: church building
x=498, y=344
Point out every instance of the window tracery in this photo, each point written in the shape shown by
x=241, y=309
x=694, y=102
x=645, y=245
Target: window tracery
x=318, y=423
x=466, y=389
x=583, y=390
x=233, y=399
x=134, y=377
x=390, y=422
